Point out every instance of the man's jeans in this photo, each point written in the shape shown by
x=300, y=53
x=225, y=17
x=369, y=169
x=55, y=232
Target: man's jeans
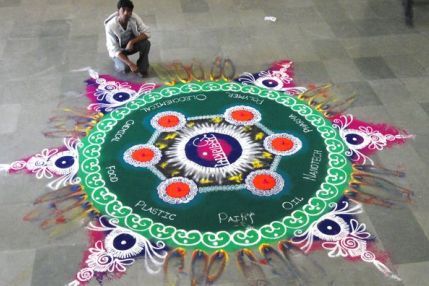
x=143, y=48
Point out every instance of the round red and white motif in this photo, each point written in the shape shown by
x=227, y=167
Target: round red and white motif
x=168, y=121
x=242, y=115
x=264, y=183
x=85, y=274
x=142, y=155
x=177, y=190
x=282, y=144
x=355, y=247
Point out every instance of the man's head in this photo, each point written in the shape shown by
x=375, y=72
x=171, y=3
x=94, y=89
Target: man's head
x=125, y=10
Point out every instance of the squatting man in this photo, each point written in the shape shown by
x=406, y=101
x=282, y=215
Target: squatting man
x=126, y=34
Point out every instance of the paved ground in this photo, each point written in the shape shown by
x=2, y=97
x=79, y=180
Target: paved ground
x=360, y=45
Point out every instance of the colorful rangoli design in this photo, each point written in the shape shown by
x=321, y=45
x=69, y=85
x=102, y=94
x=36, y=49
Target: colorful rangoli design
x=212, y=167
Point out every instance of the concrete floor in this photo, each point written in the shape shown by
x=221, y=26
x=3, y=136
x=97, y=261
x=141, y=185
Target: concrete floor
x=360, y=45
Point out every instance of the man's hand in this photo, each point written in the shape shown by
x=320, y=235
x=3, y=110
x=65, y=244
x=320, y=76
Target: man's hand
x=133, y=67
x=124, y=58
x=131, y=43
x=129, y=46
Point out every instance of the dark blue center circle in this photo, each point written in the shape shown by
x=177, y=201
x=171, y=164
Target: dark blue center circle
x=354, y=139
x=121, y=96
x=124, y=241
x=64, y=162
x=329, y=227
x=270, y=83
x=211, y=143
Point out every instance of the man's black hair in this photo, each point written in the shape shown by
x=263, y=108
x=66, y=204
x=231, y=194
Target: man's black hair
x=125, y=4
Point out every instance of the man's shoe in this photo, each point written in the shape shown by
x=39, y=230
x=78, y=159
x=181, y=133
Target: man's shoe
x=144, y=74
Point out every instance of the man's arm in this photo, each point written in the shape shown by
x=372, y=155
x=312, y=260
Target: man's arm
x=131, y=43
x=142, y=32
x=142, y=28
x=112, y=43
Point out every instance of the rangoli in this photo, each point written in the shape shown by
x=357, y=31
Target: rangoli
x=214, y=167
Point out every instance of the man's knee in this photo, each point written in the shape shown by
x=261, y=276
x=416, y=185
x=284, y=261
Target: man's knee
x=144, y=46
x=146, y=43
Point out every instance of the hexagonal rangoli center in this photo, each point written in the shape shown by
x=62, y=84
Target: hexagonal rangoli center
x=213, y=153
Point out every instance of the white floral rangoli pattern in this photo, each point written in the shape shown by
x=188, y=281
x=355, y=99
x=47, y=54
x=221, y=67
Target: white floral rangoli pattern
x=114, y=94
x=341, y=239
x=277, y=78
x=363, y=137
x=118, y=250
x=61, y=163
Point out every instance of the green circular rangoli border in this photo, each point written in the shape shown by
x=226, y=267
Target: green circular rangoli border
x=330, y=191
